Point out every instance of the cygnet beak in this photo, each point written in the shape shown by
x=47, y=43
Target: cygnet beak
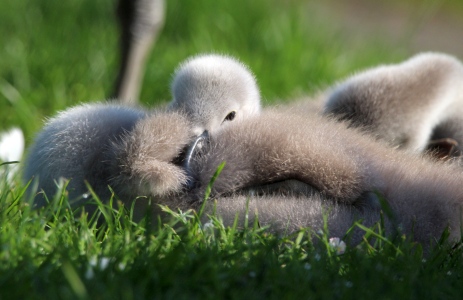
x=197, y=144
x=191, y=153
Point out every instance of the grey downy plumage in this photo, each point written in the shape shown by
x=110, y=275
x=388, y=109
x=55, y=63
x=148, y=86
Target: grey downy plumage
x=83, y=143
x=214, y=89
x=343, y=168
x=407, y=104
x=349, y=173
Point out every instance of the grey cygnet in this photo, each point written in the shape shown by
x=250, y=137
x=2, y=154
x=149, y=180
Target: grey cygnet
x=407, y=104
x=108, y=144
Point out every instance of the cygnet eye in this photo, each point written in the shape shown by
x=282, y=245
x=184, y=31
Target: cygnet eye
x=230, y=116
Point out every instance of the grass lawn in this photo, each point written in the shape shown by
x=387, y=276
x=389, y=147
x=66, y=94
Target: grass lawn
x=51, y=59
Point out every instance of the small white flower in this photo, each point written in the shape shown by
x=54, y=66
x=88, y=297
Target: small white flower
x=208, y=225
x=11, y=149
x=89, y=274
x=11, y=144
x=208, y=228
x=121, y=266
x=92, y=262
x=104, y=262
x=338, y=245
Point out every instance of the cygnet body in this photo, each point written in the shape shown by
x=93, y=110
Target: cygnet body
x=74, y=144
x=404, y=104
x=340, y=163
x=343, y=165
x=133, y=150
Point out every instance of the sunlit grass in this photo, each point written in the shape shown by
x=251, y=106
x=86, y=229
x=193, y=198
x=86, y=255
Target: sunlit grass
x=56, y=54
x=60, y=252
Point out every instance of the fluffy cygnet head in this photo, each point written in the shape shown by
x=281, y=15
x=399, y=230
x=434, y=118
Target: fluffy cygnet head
x=214, y=90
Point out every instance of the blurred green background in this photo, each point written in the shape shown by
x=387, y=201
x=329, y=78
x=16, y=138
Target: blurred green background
x=56, y=53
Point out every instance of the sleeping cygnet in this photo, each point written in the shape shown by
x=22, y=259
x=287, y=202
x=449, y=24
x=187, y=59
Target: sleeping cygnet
x=135, y=152
x=406, y=104
x=353, y=177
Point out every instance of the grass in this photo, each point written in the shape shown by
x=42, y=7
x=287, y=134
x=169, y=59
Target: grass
x=51, y=59
x=50, y=253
